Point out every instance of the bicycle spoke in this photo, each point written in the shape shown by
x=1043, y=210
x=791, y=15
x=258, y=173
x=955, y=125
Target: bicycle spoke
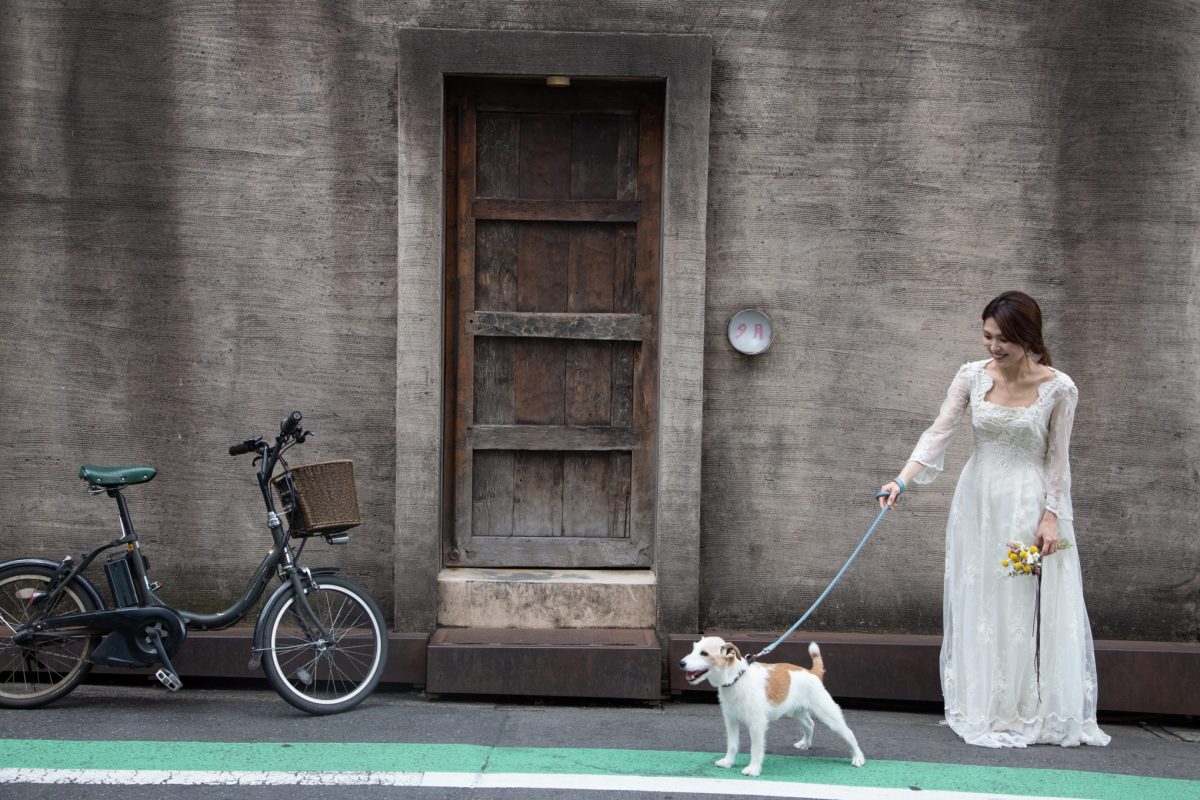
x=10, y=625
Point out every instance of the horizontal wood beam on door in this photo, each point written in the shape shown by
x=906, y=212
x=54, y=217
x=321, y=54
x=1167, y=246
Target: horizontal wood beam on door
x=553, y=437
x=557, y=210
x=604, y=327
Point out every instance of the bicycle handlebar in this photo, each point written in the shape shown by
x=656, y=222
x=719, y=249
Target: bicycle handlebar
x=286, y=428
x=248, y=446
x=291, y=423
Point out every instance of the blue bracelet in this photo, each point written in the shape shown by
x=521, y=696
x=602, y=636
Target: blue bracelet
x=900, y=482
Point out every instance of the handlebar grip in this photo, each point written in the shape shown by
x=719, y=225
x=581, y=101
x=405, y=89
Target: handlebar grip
x=240, y=449
x=291, y=423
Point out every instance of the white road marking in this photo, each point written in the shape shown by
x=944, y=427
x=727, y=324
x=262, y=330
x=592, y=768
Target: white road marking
x=475, y=780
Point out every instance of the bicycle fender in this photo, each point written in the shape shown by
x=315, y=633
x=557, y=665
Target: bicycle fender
x=87, y=585
x=276, y=597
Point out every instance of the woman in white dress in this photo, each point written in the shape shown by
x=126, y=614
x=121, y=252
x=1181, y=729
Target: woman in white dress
x=1015, y=487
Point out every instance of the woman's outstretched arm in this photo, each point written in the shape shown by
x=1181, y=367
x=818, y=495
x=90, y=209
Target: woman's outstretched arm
x=927, y=458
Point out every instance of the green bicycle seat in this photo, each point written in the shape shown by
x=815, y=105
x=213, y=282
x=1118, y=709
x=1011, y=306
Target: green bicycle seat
x=112, y=477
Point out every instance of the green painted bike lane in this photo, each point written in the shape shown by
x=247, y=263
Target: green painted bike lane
x=117, y=756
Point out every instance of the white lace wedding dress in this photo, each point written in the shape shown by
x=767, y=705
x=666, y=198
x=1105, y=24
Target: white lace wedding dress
x=1019, y=469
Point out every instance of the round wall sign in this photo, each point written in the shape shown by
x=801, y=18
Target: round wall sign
x=750, y=331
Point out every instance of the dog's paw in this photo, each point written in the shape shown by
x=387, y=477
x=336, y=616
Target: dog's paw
x=752, y=771
x=803, y=744
x=858, y=760
x=724, y=763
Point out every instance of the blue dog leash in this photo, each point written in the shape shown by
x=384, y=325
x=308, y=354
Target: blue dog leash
x=765, y=651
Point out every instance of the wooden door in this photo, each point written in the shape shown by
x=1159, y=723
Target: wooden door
x=553, y=225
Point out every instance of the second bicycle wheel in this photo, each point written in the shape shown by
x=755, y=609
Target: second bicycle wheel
x=325, y=674
x=51, y=664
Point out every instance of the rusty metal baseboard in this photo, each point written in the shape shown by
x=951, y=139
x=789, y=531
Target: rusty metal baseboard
x=589, y=662
x=877, y=667
x=1141, y=677
x=226, y=654
x=1135, y=677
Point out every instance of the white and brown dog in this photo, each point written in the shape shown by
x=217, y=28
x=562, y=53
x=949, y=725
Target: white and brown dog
x=755, y=695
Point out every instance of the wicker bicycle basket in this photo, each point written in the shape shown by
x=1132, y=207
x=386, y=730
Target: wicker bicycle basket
x=321, y=499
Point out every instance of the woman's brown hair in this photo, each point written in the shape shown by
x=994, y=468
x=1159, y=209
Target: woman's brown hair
x=1020, y=320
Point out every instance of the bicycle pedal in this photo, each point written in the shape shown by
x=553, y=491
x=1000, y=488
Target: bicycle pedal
x=154, y=587
x=169, y=680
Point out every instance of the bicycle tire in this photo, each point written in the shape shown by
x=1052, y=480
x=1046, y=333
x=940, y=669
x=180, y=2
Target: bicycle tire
x=325, y=677
x=37, y=674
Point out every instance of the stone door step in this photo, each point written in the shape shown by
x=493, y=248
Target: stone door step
x=546, y=598
x=618, y=663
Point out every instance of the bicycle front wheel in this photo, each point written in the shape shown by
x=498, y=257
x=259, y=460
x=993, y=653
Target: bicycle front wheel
x=49, y=666
x=325, y=674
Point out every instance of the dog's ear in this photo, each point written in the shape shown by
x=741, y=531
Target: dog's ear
x=731, y=652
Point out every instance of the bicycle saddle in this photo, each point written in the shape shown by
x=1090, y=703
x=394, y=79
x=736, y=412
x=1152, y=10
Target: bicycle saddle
x=112, y=477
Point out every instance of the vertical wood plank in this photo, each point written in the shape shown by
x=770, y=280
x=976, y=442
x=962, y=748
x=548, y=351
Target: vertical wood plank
x=542, y=253
x=497, y=165
x=625, y=300
x=590, y=284
x=463, y=466
x=495, y=379
x=624, y=360
x=627, y=158
x=545, y=156
x=498, y=161
x=540, y=370
x=586, y=476
x=646, y=271
x=594, y=162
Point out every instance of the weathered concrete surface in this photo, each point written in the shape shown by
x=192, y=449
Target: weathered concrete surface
x=878, y=170
x=196, y=217
x=577, y=598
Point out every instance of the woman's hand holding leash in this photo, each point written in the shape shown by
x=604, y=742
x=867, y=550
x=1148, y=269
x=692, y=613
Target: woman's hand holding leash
x=889, y=493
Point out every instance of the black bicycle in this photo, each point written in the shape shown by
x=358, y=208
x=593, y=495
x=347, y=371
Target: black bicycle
x=320, y=639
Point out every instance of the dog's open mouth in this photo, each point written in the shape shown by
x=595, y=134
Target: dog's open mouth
x=693, y=675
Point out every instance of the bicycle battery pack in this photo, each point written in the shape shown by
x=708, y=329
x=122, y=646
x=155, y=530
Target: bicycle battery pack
x=120, y=580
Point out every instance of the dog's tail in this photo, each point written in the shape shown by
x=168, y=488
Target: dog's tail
x=818, y=663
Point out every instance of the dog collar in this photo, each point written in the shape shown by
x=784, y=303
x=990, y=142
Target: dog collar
x=735, y=680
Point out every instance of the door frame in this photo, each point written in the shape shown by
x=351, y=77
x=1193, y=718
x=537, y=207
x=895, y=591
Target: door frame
x=425, y=58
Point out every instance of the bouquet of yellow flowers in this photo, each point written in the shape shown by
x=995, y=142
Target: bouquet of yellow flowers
x=1025, y=559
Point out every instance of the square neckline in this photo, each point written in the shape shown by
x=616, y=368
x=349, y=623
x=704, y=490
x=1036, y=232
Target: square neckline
x=992, y=382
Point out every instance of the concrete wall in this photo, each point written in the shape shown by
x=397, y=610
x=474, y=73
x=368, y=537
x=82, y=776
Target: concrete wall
x=188, y=194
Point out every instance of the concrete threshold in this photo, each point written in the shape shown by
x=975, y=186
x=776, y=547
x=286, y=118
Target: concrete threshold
x=470, y=597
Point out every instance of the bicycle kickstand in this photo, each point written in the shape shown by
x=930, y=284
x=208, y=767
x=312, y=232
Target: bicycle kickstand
x=167, y=675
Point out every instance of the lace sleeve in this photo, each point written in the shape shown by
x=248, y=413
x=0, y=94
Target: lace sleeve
x=1057, y=464
x=931, y=447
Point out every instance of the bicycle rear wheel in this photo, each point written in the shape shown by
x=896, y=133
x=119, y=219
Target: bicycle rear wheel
x=325, y=675
x=50, y=666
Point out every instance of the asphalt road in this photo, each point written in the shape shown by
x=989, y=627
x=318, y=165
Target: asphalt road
x=680, y=737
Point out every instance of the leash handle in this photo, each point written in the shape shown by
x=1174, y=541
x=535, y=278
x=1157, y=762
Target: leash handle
x=752, y=658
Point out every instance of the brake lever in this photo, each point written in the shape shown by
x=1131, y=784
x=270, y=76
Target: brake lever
x=300, y=438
